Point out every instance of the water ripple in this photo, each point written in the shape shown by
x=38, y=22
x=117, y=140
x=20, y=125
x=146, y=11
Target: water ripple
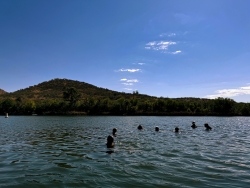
x=71, y=152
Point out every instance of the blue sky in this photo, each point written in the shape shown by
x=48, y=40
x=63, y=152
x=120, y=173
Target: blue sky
x=158, y=47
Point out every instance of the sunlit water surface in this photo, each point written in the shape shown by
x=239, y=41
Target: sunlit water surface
x=53, y=151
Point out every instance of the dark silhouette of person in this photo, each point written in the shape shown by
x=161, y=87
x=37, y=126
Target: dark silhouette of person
x=114, y=131
x=208, y=128
x=193, y=125
x=110, y=141
x=140, y=127
x=157, y=128
x=176, y=129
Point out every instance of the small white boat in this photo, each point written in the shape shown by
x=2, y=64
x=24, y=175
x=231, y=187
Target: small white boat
x=6, y=115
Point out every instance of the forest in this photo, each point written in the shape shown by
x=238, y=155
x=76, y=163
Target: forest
x=60, y=97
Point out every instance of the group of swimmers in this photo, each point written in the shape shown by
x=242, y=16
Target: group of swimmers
x=208, y=128
x=194, y=126
x=110, y=138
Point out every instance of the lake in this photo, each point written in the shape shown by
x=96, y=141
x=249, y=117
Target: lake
x=70, y=151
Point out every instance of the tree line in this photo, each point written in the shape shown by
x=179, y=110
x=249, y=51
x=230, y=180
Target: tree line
x=73, y=103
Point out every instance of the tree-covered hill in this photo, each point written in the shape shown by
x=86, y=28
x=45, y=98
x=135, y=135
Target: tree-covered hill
x=63, y=97
x=54, y=89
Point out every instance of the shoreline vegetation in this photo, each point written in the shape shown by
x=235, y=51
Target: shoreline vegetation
x=69, y=97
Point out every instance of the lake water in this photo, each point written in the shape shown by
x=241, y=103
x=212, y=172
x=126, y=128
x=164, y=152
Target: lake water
x=53, y=151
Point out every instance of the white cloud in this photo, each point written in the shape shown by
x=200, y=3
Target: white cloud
x=167, y=34
x=246, y=88
x=128, y=84
x=227, y=93
x=141, y=63
x=128, y=89
x=161, y=45
x=134, y=80
x=129, y=81
x=151, y=43
x=176, y=52
x=129, y=70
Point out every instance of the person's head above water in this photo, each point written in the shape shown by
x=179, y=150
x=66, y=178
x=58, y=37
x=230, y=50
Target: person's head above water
x=140, y=127
x=176, y=129
x=157, y=128
x=193, y=125
x=207, y=126
x=114, y=131
x=110, y=141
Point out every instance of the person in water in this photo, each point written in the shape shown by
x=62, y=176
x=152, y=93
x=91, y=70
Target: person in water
x=176, y=129
x=114, y=131
x=193, y=125
x=110, y=141
x=140, y=127
x=157, y=128
x=208, y=128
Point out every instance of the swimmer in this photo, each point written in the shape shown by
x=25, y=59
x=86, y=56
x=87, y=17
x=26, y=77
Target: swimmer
x=193, y=125
x=114, y=131
x=140, y=127
x=157, y=128
x=208, y=128
x=110, y=141
x=176, y=129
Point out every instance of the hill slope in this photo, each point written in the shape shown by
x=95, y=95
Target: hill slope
x=54, y=89
x=2, y=91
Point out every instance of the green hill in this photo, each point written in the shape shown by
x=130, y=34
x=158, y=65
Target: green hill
x=64, y=97
x=54, y=89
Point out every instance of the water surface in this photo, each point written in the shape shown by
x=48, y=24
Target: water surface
x=53, y=151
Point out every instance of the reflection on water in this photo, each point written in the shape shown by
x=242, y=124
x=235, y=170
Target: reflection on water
x=71, y=152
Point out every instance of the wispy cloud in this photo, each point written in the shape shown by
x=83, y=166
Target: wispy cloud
x=141, y=63
x=128, y=89
x=167, y=34
x=128, y=84
x=126, y=80
x=129, y=70
x=227, y=93
x=176, y=52
x=159, y=45
x=133, y=80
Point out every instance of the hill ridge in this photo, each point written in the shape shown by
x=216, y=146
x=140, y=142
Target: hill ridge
x=54, y=88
